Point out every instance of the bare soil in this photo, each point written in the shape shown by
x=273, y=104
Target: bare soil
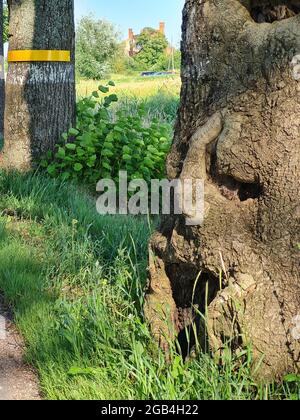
x=17, y=380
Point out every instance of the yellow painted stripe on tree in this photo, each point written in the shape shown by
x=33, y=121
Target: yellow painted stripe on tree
x=39, y=55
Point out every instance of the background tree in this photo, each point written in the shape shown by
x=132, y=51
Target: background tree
x=5, y=22
x=238, y=128
x=169, y=59
x=40, y=96
x=152, y=45
x=97, y=42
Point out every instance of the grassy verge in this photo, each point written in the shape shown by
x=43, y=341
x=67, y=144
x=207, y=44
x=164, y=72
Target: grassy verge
x=136, y=86
x=75, y=281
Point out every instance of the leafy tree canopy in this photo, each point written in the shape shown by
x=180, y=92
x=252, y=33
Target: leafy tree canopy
x=96, y=46
x=5, y=22
x=152, y=45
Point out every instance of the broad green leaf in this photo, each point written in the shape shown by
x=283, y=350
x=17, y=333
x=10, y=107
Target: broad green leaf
x=65, y=176
x=126, y=157
x=73, y=132
x=71, y=146
x=78, y=167
x=65, y=136
x=107, y=152
x=103, y=89
x=52, y=169
x=106, y=166
x=292, y=378
x=113, y=98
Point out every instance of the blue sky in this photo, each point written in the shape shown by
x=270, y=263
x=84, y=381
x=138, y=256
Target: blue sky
x=136, y=14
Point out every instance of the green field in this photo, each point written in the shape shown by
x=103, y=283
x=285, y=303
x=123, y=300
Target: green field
x=159, y=96
x=134, y=86
x=76, y=282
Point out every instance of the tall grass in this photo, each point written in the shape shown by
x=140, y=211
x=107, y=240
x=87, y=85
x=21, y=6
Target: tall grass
x=159, y=96
x=161, y=107
x=76, y=282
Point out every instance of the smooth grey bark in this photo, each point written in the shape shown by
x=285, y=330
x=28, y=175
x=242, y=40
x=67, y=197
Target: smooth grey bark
x=40, y=97
x=240, y=120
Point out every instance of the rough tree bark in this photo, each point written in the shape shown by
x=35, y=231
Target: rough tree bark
x=40, y=96
x=2, y=91
x=239, y=120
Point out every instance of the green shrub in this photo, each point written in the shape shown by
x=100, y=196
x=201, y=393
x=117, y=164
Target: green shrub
x=100, y=146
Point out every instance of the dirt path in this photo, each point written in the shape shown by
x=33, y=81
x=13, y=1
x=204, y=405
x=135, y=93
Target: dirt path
x=17, y=381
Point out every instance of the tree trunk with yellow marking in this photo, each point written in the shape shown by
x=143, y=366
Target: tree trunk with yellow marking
x=241, y=101
x=40, y=96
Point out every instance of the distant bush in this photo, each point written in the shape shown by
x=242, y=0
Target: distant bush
x=97, y=44
x=122, y=63
x=100, y=147
x=5, y=23
x=168, y=61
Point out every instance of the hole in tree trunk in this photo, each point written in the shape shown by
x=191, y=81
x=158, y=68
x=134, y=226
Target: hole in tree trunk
x=235, y=190
x=274, y=11
x=192, y=294
x=230, y=188
x=249, y=191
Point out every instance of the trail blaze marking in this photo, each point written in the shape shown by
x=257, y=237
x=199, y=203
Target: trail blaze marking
x=39, y=55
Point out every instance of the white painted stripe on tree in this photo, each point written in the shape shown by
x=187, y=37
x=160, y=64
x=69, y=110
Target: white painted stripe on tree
x=34, y=73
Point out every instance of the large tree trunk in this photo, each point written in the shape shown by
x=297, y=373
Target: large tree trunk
x=40, y=96
x=239, y=119
x=2, y=94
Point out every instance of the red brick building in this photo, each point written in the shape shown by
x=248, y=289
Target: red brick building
x=131, y=44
